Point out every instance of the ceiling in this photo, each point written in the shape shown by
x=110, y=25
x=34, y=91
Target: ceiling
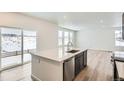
x=81, y=20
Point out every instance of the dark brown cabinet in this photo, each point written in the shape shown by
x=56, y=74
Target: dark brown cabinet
x=85, y=58
x=77, y=65
x=80, y=62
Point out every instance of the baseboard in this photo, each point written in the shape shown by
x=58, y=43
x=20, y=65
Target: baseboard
x=35, y=78
x=100, y=50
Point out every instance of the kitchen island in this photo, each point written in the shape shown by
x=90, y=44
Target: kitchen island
x=57, y=64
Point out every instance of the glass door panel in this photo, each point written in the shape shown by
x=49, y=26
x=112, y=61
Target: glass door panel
x=11, y=46
x=29, y=43
x=66, y=38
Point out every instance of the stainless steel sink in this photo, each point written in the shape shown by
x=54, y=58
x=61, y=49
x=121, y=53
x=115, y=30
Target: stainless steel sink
x=72, y=51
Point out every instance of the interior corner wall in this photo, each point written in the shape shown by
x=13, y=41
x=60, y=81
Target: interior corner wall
x=46, y=31
x=97, y=39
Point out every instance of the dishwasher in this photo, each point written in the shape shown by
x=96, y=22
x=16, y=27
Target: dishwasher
x=69, y=69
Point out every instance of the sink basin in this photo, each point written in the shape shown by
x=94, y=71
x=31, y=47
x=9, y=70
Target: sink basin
x=72, y=51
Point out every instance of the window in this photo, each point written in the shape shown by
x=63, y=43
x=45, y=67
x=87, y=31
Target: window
x=64, y=36
x=118, y=38
x=60, y=38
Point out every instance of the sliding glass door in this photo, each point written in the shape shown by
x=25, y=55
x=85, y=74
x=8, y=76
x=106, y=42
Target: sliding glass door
x=11, y=46
x=15, y=46
x=29, y=43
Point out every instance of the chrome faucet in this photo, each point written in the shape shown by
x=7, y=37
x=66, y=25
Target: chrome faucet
x=69, y=45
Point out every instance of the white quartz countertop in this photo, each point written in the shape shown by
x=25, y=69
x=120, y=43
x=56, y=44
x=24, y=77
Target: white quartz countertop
x=57, y=54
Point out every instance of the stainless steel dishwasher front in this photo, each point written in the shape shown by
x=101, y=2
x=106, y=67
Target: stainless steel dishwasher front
x=69, y=69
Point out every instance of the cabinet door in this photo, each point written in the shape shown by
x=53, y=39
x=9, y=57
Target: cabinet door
x=81, y=61
x=77, y=65
x=85, y=58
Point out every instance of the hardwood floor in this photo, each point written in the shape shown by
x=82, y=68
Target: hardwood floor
x=99, y=69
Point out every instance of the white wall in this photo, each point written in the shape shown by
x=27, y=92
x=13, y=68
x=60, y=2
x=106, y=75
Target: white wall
x=96, y=38
x=46, y=31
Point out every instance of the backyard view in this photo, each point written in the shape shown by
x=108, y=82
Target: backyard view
x=16, y=46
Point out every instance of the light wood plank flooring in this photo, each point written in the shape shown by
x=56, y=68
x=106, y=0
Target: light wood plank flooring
x=99, y=69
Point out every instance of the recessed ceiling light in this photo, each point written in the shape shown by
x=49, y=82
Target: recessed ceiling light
x=65, y=17
x=101, y=21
